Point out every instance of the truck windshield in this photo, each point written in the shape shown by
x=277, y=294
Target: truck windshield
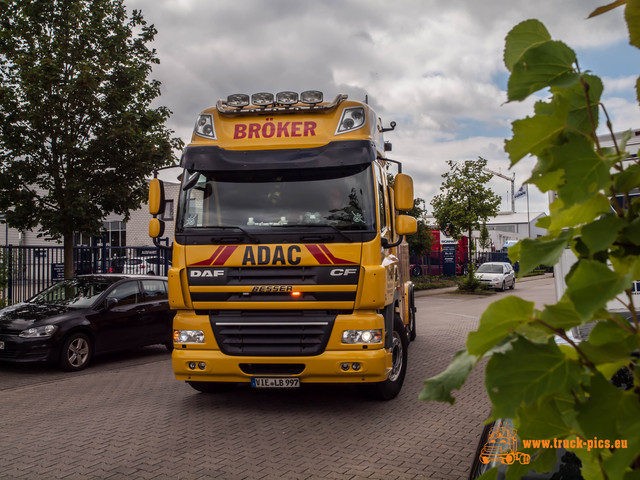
x=264, y=199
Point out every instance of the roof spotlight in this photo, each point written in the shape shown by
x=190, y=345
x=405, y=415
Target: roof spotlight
x=238, y=100
x=286, y=98
x=262, y=99
x=311, y=97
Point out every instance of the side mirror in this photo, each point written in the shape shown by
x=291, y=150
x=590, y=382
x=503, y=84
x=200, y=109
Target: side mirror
x=156, y=228
x=156, y=196
x=110, y=303
x=403, y=192
x=406, y=225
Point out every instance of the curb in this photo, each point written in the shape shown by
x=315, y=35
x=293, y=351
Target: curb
x=444, y=291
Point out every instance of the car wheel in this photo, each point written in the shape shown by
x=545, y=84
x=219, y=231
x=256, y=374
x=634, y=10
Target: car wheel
x=513, y=285
x=390, y=388
x=504, y=287
x=212, y=387
x=76, y=354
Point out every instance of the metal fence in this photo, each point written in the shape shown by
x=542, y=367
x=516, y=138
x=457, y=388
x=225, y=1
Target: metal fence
x=24, y=271
x=433, y=264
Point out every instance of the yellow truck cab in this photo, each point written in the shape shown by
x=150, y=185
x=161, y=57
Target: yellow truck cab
x=289, y=260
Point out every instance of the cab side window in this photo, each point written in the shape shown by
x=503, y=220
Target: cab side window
x=381, y=196
x=126, y=294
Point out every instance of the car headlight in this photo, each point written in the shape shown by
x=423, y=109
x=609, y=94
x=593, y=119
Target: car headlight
x=362, y=336
x=39, y=332
x=188, y=336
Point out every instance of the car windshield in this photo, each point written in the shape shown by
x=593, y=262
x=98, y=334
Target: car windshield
x=488, y=268
x=74, y=292
x=260, y=200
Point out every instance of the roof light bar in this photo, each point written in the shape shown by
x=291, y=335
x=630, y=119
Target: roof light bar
x=286, y=98
x=238, y=100
x=262, y=99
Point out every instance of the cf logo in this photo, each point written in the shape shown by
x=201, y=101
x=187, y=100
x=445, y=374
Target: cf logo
x=343, y=272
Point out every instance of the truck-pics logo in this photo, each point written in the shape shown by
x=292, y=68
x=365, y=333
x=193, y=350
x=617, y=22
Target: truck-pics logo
x=502, y=446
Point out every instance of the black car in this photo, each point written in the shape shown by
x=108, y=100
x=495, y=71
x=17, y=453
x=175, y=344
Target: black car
x=75, y=319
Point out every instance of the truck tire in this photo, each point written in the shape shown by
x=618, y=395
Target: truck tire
x=412, y=315
x=390, y=388
x=212, y=387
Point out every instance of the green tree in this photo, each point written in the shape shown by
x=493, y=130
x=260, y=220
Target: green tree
x=485, y=239
x=77, y=134
x=422, y=240
x=563, y=391
x=465, y=201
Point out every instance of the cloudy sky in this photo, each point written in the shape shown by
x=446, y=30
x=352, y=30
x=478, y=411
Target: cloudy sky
x=433, y=67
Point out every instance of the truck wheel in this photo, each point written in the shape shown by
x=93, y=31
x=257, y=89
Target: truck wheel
x=390, y=388
x=412, y=315
x=212, y=387
x=76, y=352
x=416, y=271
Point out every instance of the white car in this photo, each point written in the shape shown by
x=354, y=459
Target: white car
x=146, y=266
x=498, y=275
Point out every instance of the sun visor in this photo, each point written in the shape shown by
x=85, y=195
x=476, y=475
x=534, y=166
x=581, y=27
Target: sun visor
x=334, y=154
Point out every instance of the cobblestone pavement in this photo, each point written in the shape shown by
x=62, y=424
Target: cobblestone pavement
x=127, y=418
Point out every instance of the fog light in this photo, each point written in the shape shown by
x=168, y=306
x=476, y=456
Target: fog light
x=192, y=365
x=356, y=366
x=344, y=366
x=202, y=365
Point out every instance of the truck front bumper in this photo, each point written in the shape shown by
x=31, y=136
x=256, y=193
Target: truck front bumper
x=346, y=366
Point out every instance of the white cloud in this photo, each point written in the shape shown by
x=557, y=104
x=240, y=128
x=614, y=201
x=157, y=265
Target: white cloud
x=434, y=67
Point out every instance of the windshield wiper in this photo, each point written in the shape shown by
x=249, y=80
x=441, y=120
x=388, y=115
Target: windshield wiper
x=316, y=225
x=244, y=232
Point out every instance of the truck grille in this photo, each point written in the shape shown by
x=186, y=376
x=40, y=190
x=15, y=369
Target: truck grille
x=272, y=333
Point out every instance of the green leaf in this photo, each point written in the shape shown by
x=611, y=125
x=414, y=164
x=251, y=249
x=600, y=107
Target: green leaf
x=544, y=65
x=627, y=180
x=543, y=420
x=595, y=416
x=562, y=315
x=439, y=388
x=522, y=37
x=497, y=322
x=608, y=331
x=632, y=16
x=541, y=251
x=527, y=372
x=592, y=285
x=606, y=8
x=578, y=160
x=578, y=214
x=600, y=234
x=580, y=117
x=533, y=135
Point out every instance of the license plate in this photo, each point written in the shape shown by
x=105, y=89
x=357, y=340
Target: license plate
x=277, y=382
x=1, y=345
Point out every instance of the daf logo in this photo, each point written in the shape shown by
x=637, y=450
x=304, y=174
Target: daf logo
x=342, y=272
x=206, y=273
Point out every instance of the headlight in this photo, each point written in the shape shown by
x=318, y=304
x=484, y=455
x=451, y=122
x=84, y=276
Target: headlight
x=362, y=336
x=204, y=126
x=352, y=119
x=188, y=336
x=39, y=332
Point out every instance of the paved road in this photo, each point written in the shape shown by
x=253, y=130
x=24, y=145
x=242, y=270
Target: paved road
x=127, y=418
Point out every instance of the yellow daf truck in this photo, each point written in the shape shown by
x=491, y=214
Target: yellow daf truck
x=289, y=260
